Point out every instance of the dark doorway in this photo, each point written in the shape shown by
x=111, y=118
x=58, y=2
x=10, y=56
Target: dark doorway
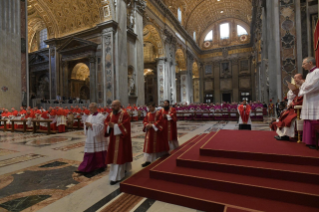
x=209, y=98
x=226, y=97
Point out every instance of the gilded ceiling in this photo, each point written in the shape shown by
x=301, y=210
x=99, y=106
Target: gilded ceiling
x=197, y=15
x=63, y=17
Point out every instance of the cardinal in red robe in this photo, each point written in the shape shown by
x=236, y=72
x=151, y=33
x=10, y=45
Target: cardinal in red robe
x=170, y=125
x=156, y=139
x=244, y=116
x=118, y=128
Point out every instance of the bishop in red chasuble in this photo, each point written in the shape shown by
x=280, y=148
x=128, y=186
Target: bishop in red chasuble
x=156, y=138
x=244, y=116
x=170, y=125
x=118, y=128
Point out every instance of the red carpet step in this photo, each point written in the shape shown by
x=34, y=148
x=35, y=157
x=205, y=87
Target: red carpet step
x=223, y=183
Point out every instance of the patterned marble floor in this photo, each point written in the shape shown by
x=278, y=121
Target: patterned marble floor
x=36, y=172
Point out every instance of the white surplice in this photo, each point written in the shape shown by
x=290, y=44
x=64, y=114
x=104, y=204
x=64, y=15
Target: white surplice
x=310, y=92
x=95, y=139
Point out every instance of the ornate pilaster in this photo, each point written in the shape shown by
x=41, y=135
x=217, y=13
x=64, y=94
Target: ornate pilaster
x=161, y=82
x=92, y=79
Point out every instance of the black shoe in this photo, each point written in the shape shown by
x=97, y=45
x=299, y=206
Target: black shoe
x=312, y=146
x=79, y=172
x=283, y=138
x=146, y=164
x=277, y=137
x=113, y=182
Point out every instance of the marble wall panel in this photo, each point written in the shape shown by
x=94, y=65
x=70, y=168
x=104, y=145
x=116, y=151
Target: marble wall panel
x=244, y=83
x=226, y=84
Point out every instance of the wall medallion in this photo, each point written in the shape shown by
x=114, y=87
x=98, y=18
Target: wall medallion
x=4, y=88
x=207, y=44
x=243, y=38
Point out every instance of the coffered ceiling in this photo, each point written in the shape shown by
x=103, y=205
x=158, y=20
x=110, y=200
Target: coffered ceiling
x=63, y=17
x=197, y=15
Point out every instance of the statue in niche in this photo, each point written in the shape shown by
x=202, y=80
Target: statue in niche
x=131, y=84
x=130, y=20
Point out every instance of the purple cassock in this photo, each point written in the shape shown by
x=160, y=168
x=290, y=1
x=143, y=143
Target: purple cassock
x=95, y=149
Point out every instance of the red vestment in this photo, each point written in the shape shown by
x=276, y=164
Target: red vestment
x=244, y=113
x=155, y=141
x=170, y=126
x=289, y=115
x=120, y=146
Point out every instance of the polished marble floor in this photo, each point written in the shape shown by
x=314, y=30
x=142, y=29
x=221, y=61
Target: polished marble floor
x=36, y=172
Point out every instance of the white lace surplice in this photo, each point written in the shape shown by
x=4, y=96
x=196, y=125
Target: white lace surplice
x=310, y=92
x=95, y=140
x=290, y=96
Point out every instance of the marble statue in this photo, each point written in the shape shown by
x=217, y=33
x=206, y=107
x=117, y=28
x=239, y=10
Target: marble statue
x=131, y=88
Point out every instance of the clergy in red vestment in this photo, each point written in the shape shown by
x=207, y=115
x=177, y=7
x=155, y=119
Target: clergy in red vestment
x=156, y=140
x=118, y=128
x=170, y=124
x=285, y=126
x=310, y=106
x=244, y=116
x=61, y=120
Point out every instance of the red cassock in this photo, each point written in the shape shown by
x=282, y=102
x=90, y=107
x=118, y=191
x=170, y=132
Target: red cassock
x=170, y=126
x=120, y=146
x=155, y=141
x=244, y=113
x=288, y=116
x=61, y=127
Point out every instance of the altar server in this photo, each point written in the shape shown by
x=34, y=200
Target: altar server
x=95, y=149
x=310, y=107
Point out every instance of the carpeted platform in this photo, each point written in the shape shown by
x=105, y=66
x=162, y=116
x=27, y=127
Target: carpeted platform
x=226, y=183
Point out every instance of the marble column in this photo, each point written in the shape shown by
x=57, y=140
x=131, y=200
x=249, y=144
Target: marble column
x=139, y=9
x=54, y=72
x=121, y=57
x=110, y=88
x=190, y=61
x=196, y=90
x=184, y=87
x=235, y=74
x=273, y=42
x=10, y=54
x=201, y=82
x=92, y=79
x=298, y=35
x=161, y=67
x=217, y=94
x=65, y=72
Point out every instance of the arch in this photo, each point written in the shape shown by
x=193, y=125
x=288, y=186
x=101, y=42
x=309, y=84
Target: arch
x=80, y=72
x=180, y=60
x=34, y=25
x=151, y=35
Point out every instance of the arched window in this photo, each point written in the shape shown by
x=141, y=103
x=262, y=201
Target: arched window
x=224, y=31
x=241, y=31
x=209, y=36
x=194, y=35
x=43, y=36
x=179, y=14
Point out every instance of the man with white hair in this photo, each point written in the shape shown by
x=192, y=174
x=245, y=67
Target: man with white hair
x=118, y=128
x=310, y=107
x=95, y=149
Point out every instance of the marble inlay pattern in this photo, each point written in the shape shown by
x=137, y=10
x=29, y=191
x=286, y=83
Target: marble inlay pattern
x=47, y=141
x=11, y=137
x=53, y=178
x=19, y=159
x=6, y=152
x=70, y=146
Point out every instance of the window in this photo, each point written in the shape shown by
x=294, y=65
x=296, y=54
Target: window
x=241, y=31
x=245, y=96
x=209, y=98
x=43, y=36
x=179, y=14
x=194, y=36
x=209, y=36
x=224, y=31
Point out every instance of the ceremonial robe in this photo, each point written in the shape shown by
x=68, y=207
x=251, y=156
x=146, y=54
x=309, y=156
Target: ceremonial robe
x=244, y=117
x=61, y=120
x=170, y=125
x=156, y=140
x=120, y=144
x=95, y=149
x=310, y=107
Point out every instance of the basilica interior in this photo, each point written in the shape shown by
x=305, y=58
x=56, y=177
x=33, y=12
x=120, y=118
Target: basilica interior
x=139, y=52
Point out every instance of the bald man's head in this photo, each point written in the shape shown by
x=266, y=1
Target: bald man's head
x=116, y=106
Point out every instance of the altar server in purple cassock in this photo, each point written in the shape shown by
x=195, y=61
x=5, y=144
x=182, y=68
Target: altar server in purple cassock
x=310, y=107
